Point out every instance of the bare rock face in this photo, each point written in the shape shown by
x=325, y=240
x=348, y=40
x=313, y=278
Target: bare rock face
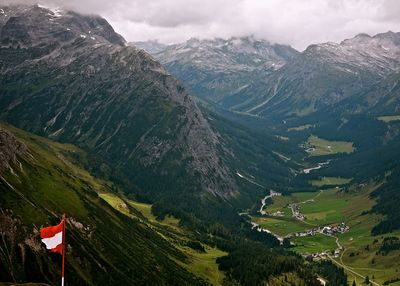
x=219, y=69
x=10, y=148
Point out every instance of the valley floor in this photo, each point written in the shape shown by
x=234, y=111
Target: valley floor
x=353, y=248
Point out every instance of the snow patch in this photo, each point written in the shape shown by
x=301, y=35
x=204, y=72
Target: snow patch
x=57, y=12
x=83, y=36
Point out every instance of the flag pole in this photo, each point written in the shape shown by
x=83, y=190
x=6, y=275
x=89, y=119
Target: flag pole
x=63, y=251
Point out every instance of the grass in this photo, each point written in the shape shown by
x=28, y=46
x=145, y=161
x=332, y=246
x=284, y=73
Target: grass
x=301, y=128
x=314, y=244
x=389, y=118
x=322, y=147
x=361, y=247
x=330, y=181
x=326, y=208
x=51, y=180
x=281, y=226
x=334, y=206
x=116, y=202
x=200, y=264
x=203, y=264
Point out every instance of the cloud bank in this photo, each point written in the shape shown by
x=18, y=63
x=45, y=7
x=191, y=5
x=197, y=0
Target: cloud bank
x=295, y=22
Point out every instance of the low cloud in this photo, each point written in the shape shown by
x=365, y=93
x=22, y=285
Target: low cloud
x=295, y=22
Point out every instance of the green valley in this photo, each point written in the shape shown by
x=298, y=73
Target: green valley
x=359, y=251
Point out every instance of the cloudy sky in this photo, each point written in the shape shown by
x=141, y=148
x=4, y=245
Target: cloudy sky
x=295, y=22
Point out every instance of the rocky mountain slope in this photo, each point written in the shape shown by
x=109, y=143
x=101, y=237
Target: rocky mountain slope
x=217, y=69
x=72, y=78
x=152, y=47
x=268, y=80
x=325, y=74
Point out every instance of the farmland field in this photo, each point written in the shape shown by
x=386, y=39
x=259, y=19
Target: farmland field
x=314, y=244
x=329, y=181
x=389, y=118
x=322, y=147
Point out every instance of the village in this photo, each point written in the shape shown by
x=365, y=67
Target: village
x=332, y=230
x=329, y=230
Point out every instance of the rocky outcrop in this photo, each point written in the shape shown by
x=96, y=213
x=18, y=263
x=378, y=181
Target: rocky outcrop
x=10, y=149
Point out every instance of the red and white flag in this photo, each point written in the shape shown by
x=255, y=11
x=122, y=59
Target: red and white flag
x=54, y=238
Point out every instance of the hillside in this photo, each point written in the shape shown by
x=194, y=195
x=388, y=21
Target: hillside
x=42, y=181
x=89, y=88
x=112, y=239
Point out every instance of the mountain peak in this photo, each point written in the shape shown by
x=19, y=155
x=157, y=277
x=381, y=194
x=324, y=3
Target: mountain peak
x=25, y=25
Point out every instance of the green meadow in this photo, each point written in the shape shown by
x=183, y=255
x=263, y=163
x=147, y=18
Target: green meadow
x=301, y=128
x=322, y=147
x=201, y=264
x=330, y=181
x=314, y=244
x=389, y=118
x=332, y=206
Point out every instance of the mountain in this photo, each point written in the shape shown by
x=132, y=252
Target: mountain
x=70, y=77
x=152, y=47
x=219, y=68
x=325, y=75
x=251, y=76
x=158, y=191
x=41, y=179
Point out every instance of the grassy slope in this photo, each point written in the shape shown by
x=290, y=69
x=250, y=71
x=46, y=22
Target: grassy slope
x=314, y=244
x=48, y=183
x=201, y=264
x=366, y=260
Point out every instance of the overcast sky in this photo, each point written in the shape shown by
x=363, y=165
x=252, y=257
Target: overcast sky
x=295, y=22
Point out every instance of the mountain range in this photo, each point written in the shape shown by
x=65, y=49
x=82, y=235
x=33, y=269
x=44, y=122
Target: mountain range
x=215, y=69
x=276, y=80
x=164, y=156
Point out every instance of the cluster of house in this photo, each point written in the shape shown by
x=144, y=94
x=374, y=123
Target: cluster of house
x=325, y=230
x=322, y=255
x=334, y=230
x=296, y=212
